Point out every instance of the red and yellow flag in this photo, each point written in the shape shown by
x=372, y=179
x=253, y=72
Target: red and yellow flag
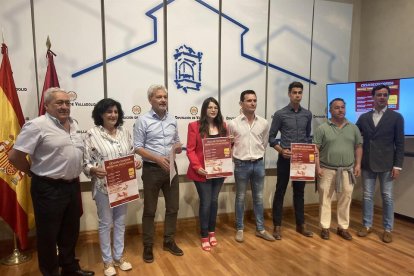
x=15, y=201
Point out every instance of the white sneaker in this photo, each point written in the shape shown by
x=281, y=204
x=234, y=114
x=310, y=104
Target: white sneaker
x=109, y=269
x=123, y=265
x=239, y=236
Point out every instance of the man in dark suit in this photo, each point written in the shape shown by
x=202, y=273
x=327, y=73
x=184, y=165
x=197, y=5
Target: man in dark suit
x=383, y=154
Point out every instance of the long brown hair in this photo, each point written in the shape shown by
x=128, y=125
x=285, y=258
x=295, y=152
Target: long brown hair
x=218, y=120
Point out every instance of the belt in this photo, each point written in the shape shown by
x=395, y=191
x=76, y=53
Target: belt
x=55, y=180
x=251, y=160
x=151, y=164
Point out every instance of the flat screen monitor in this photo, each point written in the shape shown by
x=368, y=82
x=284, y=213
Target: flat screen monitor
x=358, y=99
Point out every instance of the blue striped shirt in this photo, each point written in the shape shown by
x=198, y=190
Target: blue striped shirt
x=155, y=134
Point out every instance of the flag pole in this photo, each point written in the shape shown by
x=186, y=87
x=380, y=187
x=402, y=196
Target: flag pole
x=16, y=257
x=48, y=43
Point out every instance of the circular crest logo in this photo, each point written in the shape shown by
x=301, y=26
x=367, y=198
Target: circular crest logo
x=72, y=95
x=136, y=109
x=193, y=110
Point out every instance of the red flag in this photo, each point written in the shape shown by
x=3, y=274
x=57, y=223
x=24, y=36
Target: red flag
x=51, y=79
x=15, y=201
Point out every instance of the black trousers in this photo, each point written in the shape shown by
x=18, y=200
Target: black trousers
x=57, y=208
x=283, y=174
x=156, y=179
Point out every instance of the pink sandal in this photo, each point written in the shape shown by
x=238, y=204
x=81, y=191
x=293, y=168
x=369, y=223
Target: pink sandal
x=212, y=239
x=205, y=244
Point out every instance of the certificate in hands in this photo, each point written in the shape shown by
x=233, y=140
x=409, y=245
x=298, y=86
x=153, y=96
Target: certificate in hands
x=217, y=157
x=121, y=180
x=302, y=162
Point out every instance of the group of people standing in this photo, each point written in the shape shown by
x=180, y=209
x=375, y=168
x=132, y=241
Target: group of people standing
x=58, y=154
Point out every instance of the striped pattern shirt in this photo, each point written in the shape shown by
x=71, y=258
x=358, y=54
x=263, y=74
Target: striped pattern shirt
x=99, y=147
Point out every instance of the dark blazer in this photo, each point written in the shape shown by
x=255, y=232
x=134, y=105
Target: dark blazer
x=383, y=146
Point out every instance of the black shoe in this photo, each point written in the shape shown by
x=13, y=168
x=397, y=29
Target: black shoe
x=302, y=230
x=344, y=234
x=78, y=272
x=277, y=233
x=325, y=233
x=173, y=248
x=147, y=255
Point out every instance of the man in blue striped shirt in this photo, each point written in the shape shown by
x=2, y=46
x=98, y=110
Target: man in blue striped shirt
x=155, y=137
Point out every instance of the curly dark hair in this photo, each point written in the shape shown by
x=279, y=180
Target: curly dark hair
x=102, y=106
x=218, y=120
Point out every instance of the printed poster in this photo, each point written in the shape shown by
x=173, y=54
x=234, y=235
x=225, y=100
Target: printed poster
x=302, y=162
x=121, y=179
x=217, y=157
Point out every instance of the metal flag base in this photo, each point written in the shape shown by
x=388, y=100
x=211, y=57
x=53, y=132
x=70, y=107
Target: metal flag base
x=16, y=257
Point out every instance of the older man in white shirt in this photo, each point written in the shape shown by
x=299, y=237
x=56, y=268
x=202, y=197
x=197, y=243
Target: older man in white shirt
x=56, y=149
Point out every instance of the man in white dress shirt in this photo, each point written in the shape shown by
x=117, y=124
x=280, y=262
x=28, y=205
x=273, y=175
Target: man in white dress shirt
x=250, y=134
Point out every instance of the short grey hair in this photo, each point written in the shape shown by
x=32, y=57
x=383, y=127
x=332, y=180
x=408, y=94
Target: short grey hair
x=48, y=96
x=154, y=88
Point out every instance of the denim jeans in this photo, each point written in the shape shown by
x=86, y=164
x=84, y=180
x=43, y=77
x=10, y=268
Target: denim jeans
x=107, y=217
x=253, y=172
x=283, y=176
x=386, y=185
x=208, y=192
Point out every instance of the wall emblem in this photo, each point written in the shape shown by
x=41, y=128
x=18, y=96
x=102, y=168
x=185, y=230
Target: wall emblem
x=187, y=68
x=193, y=110
x=136, y=109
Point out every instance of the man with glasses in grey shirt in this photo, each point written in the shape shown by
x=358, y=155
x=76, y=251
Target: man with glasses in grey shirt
x=294, y=123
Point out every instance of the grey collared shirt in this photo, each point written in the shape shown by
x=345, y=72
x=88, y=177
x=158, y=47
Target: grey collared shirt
x=55, y=152
x=295, y=127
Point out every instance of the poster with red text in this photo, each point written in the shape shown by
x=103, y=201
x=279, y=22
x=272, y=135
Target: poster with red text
x=122, y=183
x=217, y=157
x=302, y=162
x=365, y=102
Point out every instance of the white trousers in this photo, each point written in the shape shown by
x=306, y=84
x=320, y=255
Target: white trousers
x=326, y=190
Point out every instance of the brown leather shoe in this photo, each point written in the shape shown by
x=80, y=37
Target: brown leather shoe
x=325, y=233
x=387, y=236
x=344, y=234
x=302, y=230
x=277, y=232
x=364, y=231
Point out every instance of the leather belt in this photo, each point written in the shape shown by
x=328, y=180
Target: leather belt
x=251, y=160
x=151, y=164
x=55, y=180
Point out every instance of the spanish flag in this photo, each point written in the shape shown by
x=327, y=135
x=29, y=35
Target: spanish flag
x=15, y=201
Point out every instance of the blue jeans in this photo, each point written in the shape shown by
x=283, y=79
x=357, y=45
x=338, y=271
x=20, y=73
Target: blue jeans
x=253, y=172
x=107, y=217
x=386, y=185
x=208, y=192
